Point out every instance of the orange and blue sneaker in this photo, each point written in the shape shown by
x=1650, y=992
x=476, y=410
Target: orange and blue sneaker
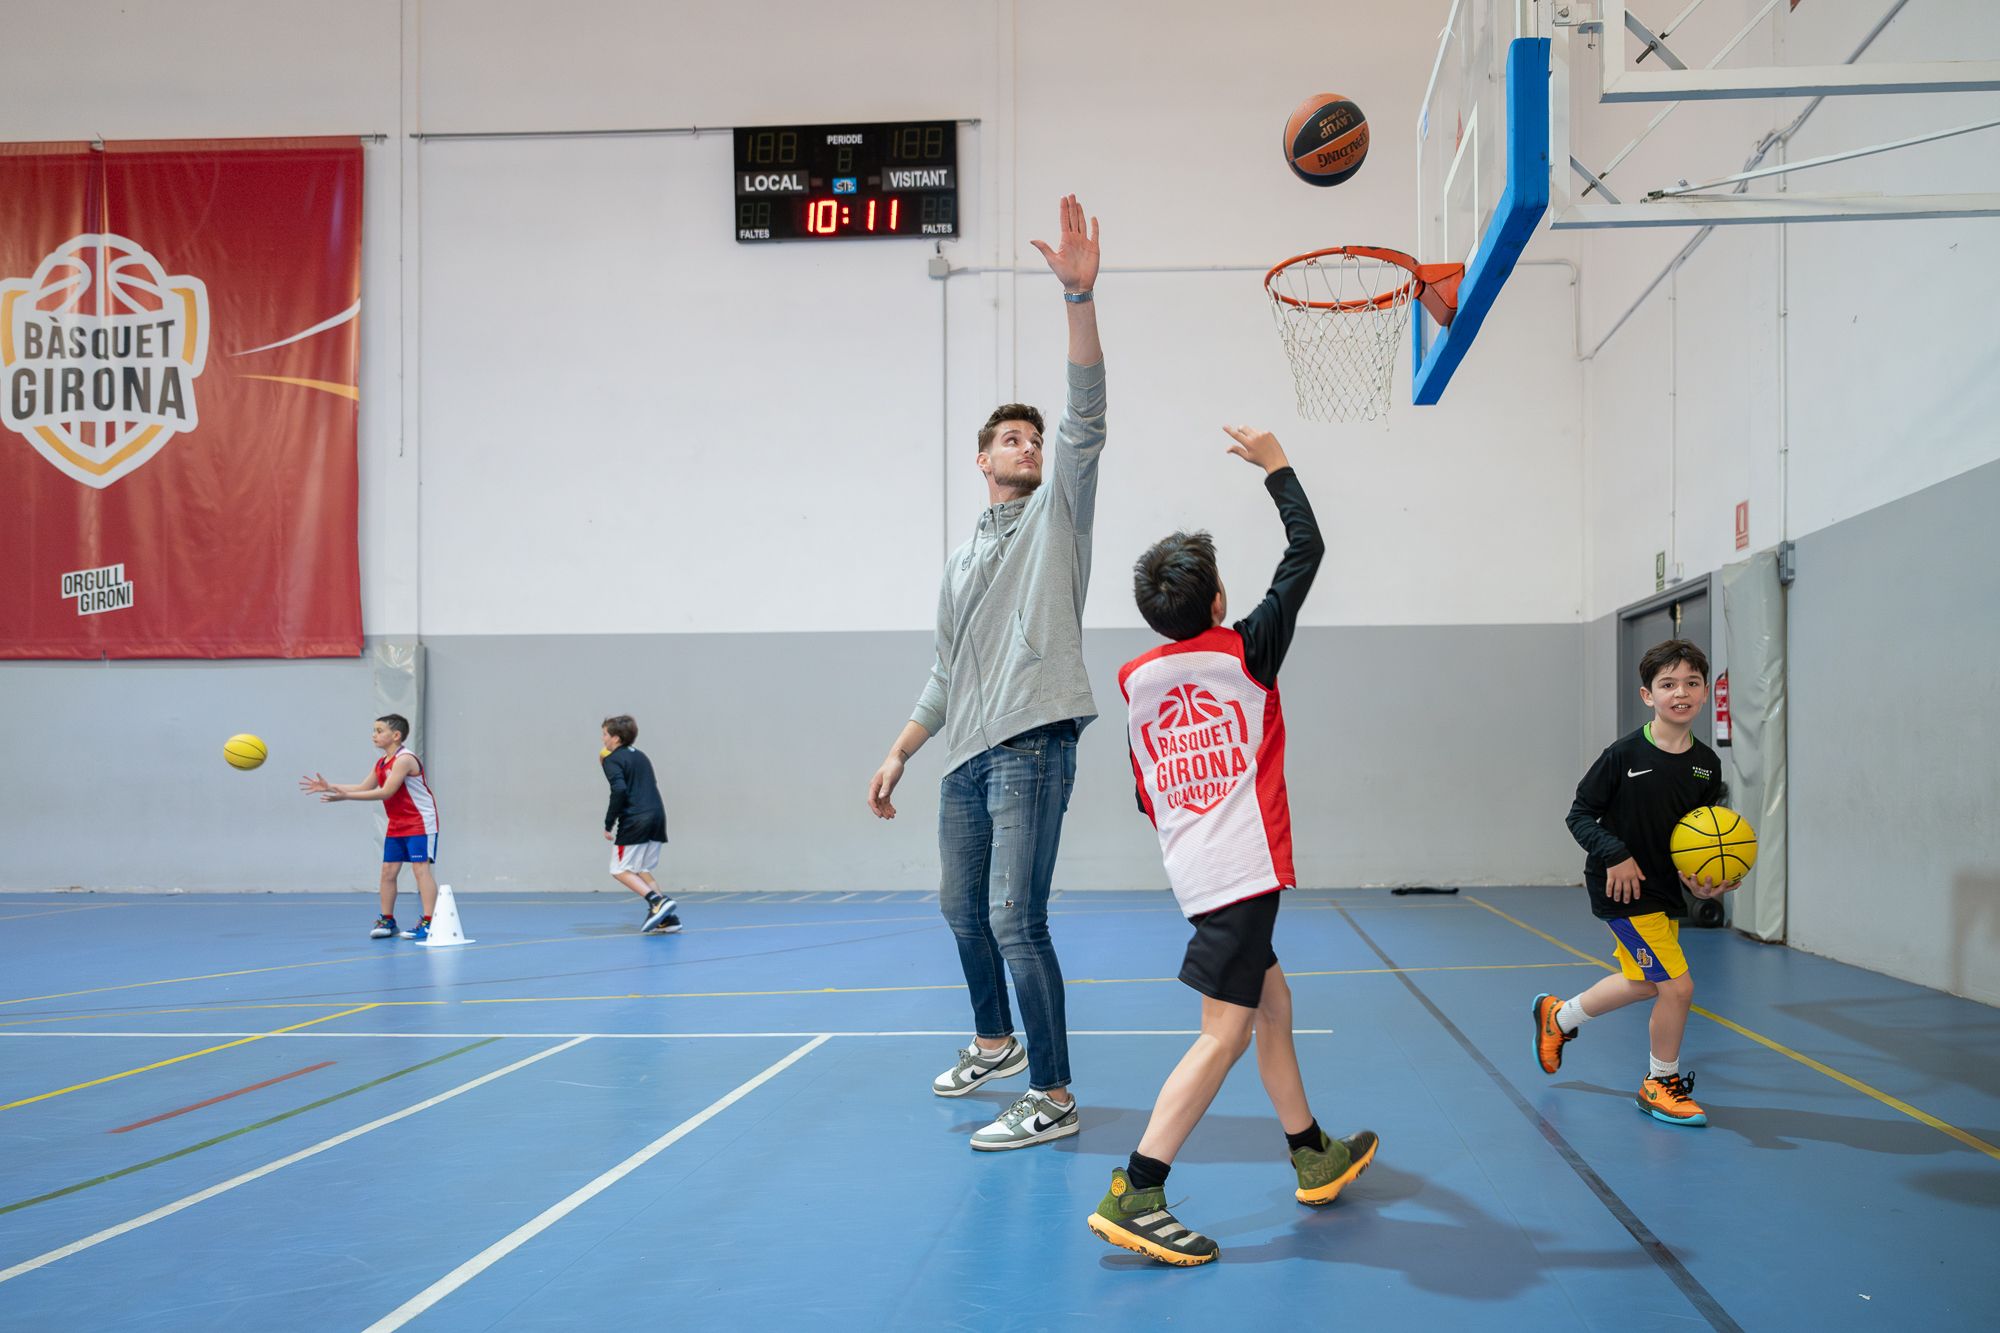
x=1671, y=1099
x=1549, y=1036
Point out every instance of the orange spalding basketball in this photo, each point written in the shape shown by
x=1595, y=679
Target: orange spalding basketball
x=1326, y=139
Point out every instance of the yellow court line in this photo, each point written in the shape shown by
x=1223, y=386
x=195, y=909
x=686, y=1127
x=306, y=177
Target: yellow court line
x=881, y=990
x=710, y=994
x=727, y=994
x=1543, y=933
x=1972, y=1141
x=469, y=948
x=162, y=1064
x=290, y=967
x=212, y=1009
x=573, y=939
x=58, y=911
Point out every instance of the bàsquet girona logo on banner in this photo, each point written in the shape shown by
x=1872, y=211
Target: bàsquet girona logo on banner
x=99, y=352
x=1199, y=747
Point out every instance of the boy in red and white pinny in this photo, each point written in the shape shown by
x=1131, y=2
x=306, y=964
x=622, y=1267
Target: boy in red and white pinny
x=1207, y=738
x=398, y=782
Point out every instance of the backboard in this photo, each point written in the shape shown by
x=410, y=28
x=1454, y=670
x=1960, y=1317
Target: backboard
x=1498, y=142
x=1483, y=170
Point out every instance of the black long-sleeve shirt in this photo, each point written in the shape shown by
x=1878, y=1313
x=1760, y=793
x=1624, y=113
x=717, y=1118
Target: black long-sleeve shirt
x=1267, y=630
x=1627, y=806
x=636, y=810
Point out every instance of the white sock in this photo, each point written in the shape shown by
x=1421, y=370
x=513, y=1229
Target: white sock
x=1662, y=1068
x=1571, y=1018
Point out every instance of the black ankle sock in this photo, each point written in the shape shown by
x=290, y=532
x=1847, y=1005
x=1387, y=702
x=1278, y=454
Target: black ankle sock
x=1308, y=1137
x=653, y=899
x=1145, y=1173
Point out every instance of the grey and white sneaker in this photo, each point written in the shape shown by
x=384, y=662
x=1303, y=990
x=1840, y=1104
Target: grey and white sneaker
x=1031, y=1119
x=975, y=1066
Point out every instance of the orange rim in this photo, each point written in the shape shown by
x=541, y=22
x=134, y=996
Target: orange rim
x=1436, y=285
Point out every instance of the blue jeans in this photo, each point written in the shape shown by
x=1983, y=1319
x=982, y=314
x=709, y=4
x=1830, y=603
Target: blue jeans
x=1000, y=817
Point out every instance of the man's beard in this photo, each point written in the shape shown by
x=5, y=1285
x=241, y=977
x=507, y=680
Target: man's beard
x=1020, y=480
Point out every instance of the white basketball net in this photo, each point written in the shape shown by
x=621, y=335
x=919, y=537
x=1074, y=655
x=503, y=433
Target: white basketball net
x=1343, y=328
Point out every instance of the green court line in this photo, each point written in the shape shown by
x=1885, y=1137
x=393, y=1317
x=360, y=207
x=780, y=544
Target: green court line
x=235, y=1133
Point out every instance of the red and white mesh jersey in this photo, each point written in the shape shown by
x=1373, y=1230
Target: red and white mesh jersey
x=412, y=810
x=1208, y=750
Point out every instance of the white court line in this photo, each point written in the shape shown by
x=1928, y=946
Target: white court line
x=639, y=1036
x=145, y=1219
x=548, y=1217
x=843, y=897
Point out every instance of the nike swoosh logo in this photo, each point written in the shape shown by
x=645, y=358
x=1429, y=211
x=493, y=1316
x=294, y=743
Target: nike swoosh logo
x=1043, y=1124
x=1637, y=772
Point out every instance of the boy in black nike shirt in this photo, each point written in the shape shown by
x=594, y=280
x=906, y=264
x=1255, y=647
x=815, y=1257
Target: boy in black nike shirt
x=1623, y=816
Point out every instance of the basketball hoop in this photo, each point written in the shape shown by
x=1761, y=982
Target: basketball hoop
x=1342, y=314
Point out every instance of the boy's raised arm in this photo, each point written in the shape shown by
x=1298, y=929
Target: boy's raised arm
x=1267, y=630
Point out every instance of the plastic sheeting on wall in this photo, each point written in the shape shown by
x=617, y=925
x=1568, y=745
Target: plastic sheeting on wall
x=1753, y=627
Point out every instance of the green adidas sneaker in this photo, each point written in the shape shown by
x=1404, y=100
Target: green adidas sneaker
x=1138, y=1220
x=1324, y=1172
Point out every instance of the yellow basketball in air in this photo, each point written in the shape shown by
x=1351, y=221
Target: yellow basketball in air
x=1714, y=844
x=244, y=751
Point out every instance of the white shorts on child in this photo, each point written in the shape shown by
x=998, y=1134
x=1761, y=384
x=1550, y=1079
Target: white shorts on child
x=635, y=857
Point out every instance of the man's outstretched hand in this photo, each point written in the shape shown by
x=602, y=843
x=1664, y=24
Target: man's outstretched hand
x=1075, y=263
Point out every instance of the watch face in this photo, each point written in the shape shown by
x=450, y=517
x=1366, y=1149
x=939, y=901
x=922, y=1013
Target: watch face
x=847, y=182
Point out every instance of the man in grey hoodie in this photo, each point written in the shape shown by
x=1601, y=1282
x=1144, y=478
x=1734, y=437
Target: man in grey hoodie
x=1009, y=694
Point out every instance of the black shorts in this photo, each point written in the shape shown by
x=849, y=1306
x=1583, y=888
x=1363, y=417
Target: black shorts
x=1231, y=950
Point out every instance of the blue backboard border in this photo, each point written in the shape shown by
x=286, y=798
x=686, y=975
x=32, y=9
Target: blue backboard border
x=1519, y=211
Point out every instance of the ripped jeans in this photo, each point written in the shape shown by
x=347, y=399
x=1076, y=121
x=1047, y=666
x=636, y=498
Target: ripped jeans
x=1000, y=817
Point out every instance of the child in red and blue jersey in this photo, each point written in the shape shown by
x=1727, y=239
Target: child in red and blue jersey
x=399, y=783
x=1207, y=738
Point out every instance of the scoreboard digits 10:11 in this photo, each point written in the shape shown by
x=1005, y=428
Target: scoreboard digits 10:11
x=847, y=182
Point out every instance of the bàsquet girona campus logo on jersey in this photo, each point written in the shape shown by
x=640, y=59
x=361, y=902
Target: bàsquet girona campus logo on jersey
x=99, y=351
x=1199, y=747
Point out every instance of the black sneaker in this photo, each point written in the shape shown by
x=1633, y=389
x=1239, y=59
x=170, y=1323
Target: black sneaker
x=659, y=911
x=671, y=925
x=1139, y=1221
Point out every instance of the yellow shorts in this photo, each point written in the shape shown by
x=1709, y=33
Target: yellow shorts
x=1649, y=947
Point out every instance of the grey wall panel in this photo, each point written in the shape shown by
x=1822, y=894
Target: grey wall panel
x=1416, y=754
x=1895, y=693
x=1600, y=693
x=114, y=778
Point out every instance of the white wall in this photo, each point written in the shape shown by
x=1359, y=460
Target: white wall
x=1816, y=371
x=590, y=417
x=550, y=324
x=1838, y=377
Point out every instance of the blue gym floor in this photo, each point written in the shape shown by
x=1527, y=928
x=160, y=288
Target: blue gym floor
x=229, y=1111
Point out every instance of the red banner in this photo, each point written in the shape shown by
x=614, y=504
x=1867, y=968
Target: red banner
x=179, y=357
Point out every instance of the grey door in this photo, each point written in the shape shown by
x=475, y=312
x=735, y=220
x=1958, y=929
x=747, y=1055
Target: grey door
x=1676, y=615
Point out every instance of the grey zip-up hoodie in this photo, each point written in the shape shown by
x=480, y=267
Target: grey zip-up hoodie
x=1010, y=611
